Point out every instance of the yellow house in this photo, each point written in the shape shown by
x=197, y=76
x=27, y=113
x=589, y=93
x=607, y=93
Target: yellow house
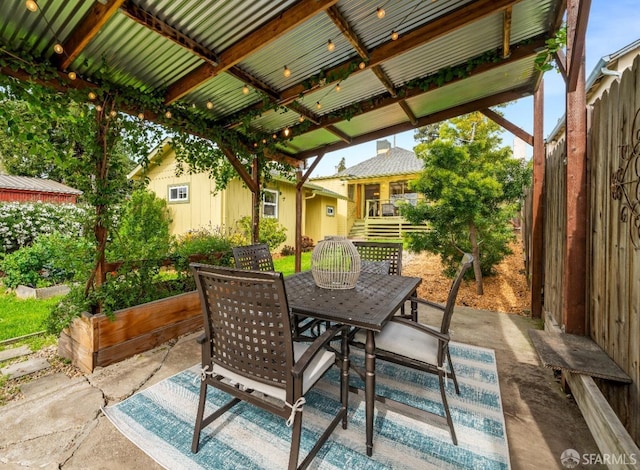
x=374, y=190
x=194, y=204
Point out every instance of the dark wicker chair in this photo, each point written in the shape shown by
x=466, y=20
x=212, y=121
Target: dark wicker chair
x=253, y=257
x=421, y=346
x=248, y=351
x=382, y=251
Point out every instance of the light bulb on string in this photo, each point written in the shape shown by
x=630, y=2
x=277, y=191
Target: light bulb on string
x=245, y=90
x=287, y=71
x=98, y=108
x=394, y=35
x=72, y=76
x=209, y=105
x=286, y=132
x=301, y=119
x=380, y=12
x=330, y=45
x=58, y=49
x=31, y=5
x=92, y=96
x=318, y=105
x=113, y=113
x=362, y=65
x=338, y=88
x=168, y=114
x=140, y=116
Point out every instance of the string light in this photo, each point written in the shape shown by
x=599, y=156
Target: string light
x=318, y=105
x=330, y=45
x=72, y=76
x=31, y=5
x=92, y=96
x=140, y=116
x=362, y=65
x=380, y=12
x=209, y=105
x=286, y=72
x=394, y=35
x=167, y=114
x=286, y=132
x=113, y=113
x=264, y=141
x=301, y=119
x=274, y=136
x=58, y=49
x=245, y=90
x=338, y=88
x=98, y=108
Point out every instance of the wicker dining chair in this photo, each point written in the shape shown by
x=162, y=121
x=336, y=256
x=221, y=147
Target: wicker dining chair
x=376, y=252
x=422, y=347
x=254, y=257
x=248, y=352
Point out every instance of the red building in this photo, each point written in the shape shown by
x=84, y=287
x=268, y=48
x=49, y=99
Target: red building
x=26, y=189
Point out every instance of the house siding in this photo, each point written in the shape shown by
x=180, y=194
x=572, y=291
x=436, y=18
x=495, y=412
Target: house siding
x=12, y=195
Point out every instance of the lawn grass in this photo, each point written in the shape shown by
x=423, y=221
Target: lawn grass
x=287, y=264
x=19, y=317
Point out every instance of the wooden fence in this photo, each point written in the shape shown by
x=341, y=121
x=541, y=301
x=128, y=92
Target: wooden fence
x=613, y=227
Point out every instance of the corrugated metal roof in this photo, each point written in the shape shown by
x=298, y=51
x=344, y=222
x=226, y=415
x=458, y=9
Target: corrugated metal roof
x=25, y=183
x=145, y=45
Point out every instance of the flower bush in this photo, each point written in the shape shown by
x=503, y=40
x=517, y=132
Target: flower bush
x=22, y=223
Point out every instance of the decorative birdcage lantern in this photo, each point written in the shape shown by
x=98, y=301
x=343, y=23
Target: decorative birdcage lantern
x=335, y=263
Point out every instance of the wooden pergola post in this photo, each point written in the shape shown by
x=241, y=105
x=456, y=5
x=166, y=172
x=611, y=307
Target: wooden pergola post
x=537, y=229
x=575, y=256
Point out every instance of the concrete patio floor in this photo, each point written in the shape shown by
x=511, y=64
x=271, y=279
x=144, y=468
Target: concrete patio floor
x=59, y=424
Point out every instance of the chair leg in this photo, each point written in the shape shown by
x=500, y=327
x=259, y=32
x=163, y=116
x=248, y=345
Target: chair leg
x=344, y=379
x=296, y=433
x=443, y=394
x=199, y=415
x=453, y=372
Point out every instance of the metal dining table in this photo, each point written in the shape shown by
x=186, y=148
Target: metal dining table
x=369, y=305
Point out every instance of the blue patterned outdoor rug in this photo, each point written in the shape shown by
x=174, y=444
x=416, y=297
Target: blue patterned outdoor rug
x=160, y=421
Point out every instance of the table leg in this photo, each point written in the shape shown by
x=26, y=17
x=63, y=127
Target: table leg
x=370, y=387
x=414, y=309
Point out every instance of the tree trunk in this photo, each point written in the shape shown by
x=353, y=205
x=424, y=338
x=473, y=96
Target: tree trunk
x=473, y=237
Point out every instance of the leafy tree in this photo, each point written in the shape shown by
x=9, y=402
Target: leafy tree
x=428, y=133
x=471, y=187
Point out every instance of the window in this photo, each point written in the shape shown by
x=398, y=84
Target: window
x=331, y=211
x=398, y=188
x=179, y=193
x=269, y=203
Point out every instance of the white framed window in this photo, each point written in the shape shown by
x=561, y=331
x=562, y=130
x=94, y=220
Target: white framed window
x=179, y=193
x=269, y=203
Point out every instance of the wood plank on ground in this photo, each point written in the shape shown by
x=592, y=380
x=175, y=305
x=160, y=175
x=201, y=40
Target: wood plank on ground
x=577, y=354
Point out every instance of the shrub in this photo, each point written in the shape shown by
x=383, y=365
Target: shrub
x=288, y=250
x=271, y=231
x=51, y=259
x=142, y=229
x=22, y=223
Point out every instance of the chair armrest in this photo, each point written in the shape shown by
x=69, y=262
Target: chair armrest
x=321, y=341
x=423, y=328
x=427, y=302
x=202, y=339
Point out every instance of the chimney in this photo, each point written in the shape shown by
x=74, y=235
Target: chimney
x=383, y=146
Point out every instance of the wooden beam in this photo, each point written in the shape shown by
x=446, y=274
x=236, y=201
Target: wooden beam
x=313, y=166
x=338, y=133
x=508, y=125
x=155, y=24
x=407, y=110
x=439, y=27
x=577, y=31
x=298, y=247
x=443, y=115
x=574, y=278
x=239, y=167
x=506, y=32
x=385, y=80
x=94, y=20
x=286, y=21
x=537, y=261
x=347, y=31
x=561, y=62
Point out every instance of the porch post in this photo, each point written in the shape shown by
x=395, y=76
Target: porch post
x=298, y=265
x=255, y=202
x=575, y=256
x=537, y=230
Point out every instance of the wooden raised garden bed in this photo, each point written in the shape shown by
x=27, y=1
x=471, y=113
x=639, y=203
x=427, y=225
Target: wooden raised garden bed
x=95, y=340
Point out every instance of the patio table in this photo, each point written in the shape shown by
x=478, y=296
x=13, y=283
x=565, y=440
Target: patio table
x=369, y=305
